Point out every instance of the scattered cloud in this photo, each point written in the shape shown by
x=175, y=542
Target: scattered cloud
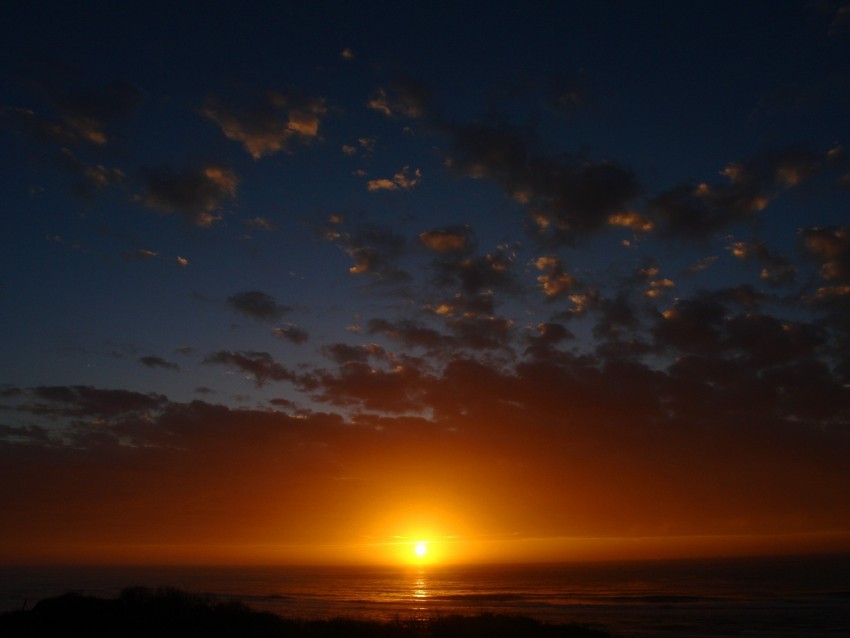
x=269, y=123
x=403, y=180
x=567, y=197
x=260, y=223
x=696, y=211
x=196, y=193
x=554, y=281
x=158, y=362
x=455, y=239
x=140, y=254
x=831, y=247
x=260, y=366
x=402, y=98
x=776, y=269
x=257, y=305
x=292, y=333
x=375, y=250
x=91, y=402
x=78, y=115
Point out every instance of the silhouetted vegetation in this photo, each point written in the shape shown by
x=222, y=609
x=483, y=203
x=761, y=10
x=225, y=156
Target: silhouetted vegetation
x=164, y=613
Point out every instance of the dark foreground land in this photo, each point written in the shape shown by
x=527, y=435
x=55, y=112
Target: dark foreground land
x=164, y=613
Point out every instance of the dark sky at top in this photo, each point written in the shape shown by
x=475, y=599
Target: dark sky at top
x=575, y=269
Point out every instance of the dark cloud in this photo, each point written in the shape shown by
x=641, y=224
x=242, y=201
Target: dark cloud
x=376, y=251
x=260, y=365
x=139, y=254
x=196, y=193
x=705, y=326
x=691, y=211
x=74, y=116
x=158, y=362
x=91, y=179
x=396, y=390
x=476, y=275
x=692, y=325
x=258, y=305
x=269, y=123
x=462, y=331
x=291, y=333
x=87, y=401
x=546, y=337
x=831, y=247
x=567, y=197
x=768, y=341
x=744, y=296
x=481, y=332
x=343, y=353
x=777, y=269
x=402, y=98
x=412, y=334
x=27, y=435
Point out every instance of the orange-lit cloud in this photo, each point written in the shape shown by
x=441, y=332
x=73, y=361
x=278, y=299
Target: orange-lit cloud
x=402, y=180
x=273, y=124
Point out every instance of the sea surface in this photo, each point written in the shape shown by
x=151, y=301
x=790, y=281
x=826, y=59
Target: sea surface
x=803, y=597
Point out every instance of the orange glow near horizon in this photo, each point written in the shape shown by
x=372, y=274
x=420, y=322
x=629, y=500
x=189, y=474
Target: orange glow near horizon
x=440, y=552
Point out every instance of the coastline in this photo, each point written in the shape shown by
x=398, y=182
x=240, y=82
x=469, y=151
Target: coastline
x=165, y=612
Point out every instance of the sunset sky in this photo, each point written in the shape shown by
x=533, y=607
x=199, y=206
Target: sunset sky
x=315, y=282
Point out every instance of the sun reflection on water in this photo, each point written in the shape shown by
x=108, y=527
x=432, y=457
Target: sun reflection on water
x=420, y=587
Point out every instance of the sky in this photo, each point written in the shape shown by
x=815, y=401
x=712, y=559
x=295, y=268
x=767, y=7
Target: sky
x=316, y=282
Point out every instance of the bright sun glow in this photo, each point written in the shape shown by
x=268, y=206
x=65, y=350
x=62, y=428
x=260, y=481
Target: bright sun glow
x=420, y=549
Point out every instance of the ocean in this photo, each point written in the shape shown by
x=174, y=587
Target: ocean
x=800, y=597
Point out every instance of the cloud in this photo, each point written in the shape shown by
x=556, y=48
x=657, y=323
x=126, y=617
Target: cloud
x=292, y=333
x=158, y=362
x=547, y=336
x=260, y=365
x=400, y=181
x=375, y=250
x=270, y=123
x=259, y=223
x=91, y=178
x=554, y=281
x=403, y=98
x=78, y=115
x=477, y=274
x=567, y=197
x=777, y=269
x=196, y=193
x=257, y=305
x=91, y=402
x=692, y=325
x=831, y=247
x=412, y=334
x=690, y=211
x=140, y=254
x=396, y=390
x=454, y=239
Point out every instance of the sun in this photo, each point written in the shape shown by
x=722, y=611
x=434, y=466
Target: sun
x=420, y=549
